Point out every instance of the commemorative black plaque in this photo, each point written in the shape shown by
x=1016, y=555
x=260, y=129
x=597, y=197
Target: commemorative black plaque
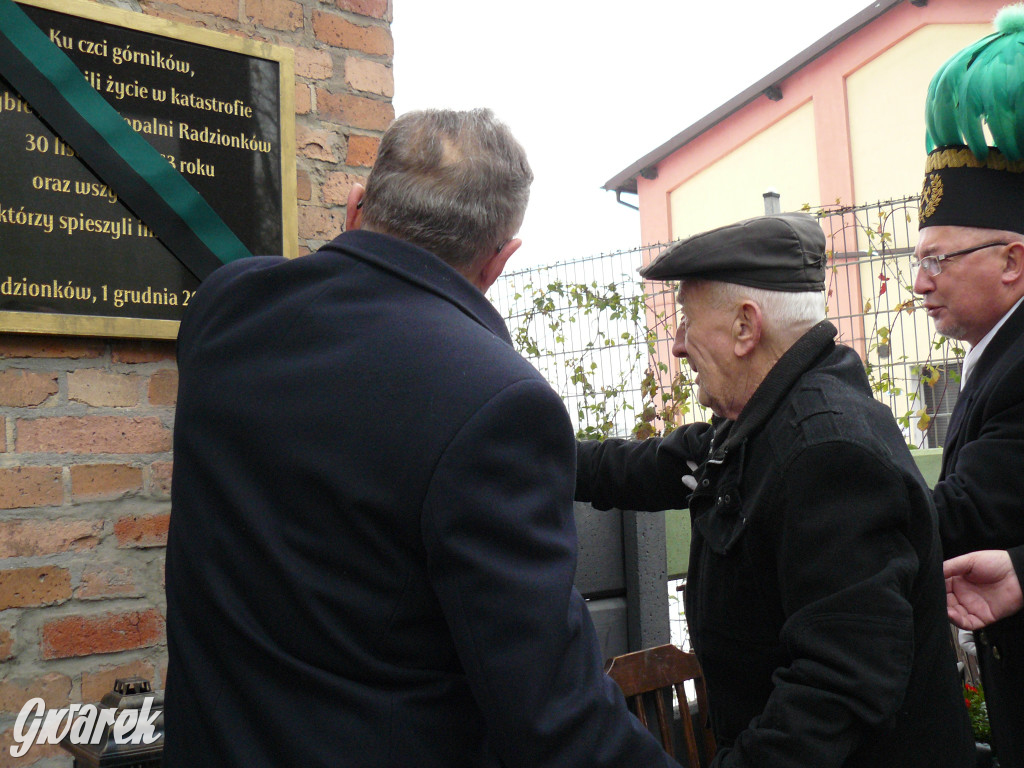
x=74, y=258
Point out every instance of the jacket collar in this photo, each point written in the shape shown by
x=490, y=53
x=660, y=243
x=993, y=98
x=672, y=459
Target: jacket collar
x=1008, y=335
x=793, y=364
x=997, y=348
x=422, y=268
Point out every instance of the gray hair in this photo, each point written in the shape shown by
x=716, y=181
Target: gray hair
x=454, y=183
x=787, y=314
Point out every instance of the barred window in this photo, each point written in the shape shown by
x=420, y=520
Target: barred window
x=940, y=399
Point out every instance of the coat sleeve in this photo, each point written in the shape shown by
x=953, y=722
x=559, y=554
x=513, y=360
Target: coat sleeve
x=1017, y=560
x=979, y=497
x=642, y=475
x=500, y=537
x=846, y=571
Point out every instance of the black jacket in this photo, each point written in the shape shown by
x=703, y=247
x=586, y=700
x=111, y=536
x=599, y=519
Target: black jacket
x=980, y=501
x=814, y=597
x=981, y=487
x=372, y=544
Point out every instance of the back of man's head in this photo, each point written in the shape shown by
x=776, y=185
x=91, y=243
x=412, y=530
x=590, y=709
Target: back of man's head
x=786, y=315
x=454, y=183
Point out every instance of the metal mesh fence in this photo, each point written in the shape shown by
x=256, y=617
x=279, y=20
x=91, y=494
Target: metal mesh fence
x=603, y=337
x=870, y=299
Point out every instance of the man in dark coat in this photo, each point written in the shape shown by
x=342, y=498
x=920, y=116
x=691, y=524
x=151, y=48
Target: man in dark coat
x=814, y=593
x=372, y=544
x=980, y=493
x=970, y=256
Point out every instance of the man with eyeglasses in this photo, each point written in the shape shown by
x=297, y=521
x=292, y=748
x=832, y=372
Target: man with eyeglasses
x=970, y=275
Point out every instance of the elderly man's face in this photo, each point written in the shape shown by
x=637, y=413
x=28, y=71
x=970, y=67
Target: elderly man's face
x=964, y=299
x=705, y=339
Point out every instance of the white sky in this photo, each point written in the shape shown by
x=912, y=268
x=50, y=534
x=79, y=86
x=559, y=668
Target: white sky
x=572, y=78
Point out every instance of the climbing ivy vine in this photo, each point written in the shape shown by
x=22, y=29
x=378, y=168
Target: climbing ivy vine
x=606, y=351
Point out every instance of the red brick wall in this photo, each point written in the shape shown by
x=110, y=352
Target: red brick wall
x=86, y=423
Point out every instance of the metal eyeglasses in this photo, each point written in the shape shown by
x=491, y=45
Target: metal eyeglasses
x=932, y=265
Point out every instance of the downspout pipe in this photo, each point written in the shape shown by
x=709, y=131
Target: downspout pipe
x=620, y=201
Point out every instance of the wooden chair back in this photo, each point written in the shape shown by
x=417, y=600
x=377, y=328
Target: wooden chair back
x=654, y=673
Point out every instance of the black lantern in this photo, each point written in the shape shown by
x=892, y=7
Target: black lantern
x=128, y=730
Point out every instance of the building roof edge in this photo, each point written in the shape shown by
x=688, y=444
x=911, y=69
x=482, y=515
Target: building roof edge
x=625, y=180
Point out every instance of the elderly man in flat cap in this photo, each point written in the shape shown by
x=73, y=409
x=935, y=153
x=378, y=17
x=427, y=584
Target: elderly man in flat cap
x=814, y=598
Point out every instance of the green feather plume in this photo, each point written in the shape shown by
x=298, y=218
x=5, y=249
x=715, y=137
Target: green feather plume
x=941, y=103
x=982, y=85
x=1010, y=19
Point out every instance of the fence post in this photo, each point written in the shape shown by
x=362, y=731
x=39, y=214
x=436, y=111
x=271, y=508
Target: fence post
x=643, y=539
x=772, y=202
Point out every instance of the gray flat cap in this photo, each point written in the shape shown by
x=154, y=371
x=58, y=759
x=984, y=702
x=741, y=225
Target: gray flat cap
x=785, y=252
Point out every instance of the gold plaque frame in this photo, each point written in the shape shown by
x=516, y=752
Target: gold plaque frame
x=143, y=328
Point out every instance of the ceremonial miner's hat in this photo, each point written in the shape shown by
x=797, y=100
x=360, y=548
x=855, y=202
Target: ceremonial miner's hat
x=968, y=181
x=784, y=252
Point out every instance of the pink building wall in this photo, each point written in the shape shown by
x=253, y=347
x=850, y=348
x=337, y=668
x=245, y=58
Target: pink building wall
x=822, y=81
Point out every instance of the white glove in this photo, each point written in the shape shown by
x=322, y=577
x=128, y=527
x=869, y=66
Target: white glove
x=689, y=480
x=966, y=640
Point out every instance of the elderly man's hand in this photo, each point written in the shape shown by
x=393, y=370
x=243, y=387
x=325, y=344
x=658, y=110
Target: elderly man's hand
x=981, y=588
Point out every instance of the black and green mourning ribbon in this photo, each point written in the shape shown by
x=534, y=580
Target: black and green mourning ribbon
x=158, y=194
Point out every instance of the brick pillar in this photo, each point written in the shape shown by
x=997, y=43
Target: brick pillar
x=86, y=424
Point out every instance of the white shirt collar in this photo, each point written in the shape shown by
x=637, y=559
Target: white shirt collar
x=974, y=354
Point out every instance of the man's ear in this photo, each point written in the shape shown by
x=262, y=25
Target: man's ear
x=353, y=208
x=491, y=268
x=747, y=328
x=1013, y=271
